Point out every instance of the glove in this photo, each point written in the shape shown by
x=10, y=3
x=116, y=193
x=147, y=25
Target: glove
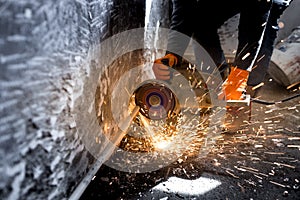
x=235, y=85
x=161, y=66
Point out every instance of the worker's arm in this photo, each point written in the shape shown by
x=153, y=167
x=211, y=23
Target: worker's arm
x=182, y=26
x=181, y=30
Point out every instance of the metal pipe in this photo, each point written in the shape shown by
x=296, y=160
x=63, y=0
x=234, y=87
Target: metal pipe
x=105, y=155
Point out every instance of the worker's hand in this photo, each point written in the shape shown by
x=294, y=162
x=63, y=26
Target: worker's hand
x=161, y=66
x=235, y=85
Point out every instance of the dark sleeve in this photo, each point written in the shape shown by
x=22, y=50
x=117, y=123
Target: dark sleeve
x=181, y=26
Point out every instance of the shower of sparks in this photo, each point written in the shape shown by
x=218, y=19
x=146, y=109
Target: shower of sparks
x=185, y=132
x=261, y=142
x=264, y=143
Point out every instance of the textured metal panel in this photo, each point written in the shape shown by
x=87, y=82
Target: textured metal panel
x=44, y=66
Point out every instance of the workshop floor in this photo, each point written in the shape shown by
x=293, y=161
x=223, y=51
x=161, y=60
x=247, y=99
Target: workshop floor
x=261, y=163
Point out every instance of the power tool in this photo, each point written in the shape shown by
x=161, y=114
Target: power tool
x=156, y=100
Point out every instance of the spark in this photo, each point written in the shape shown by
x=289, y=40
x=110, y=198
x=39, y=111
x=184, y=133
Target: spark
x=285, y=165
x=258, y=86
x=272, y=173
x=275, y=153
x=289, y=130
x=231, y=174
x=296, y=132
x=275, y=183
x=245, y=56
x=258, y=146
x=259, y=177
x=292, y=108
x=276, y=116
x=216, y=163
x=279, y=130
x=267, y=122
x=265, y=175
x=293, y=146
x=126, y=89
x=259, y=59
x=97, y=140
x=240, y=169
x=250, y=168
x=294, y=138
x=255, y=158
x=250, y=182
x=292, y=85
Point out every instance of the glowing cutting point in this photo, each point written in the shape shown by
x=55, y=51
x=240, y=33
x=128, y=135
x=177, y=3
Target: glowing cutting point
x=162, y=144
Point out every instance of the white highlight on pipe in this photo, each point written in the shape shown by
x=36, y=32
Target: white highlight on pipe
x=148, y=10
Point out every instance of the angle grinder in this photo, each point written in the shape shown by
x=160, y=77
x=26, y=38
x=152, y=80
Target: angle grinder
x=156, y=101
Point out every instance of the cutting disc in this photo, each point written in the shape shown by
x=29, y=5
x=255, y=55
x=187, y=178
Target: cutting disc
x=155, y=100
